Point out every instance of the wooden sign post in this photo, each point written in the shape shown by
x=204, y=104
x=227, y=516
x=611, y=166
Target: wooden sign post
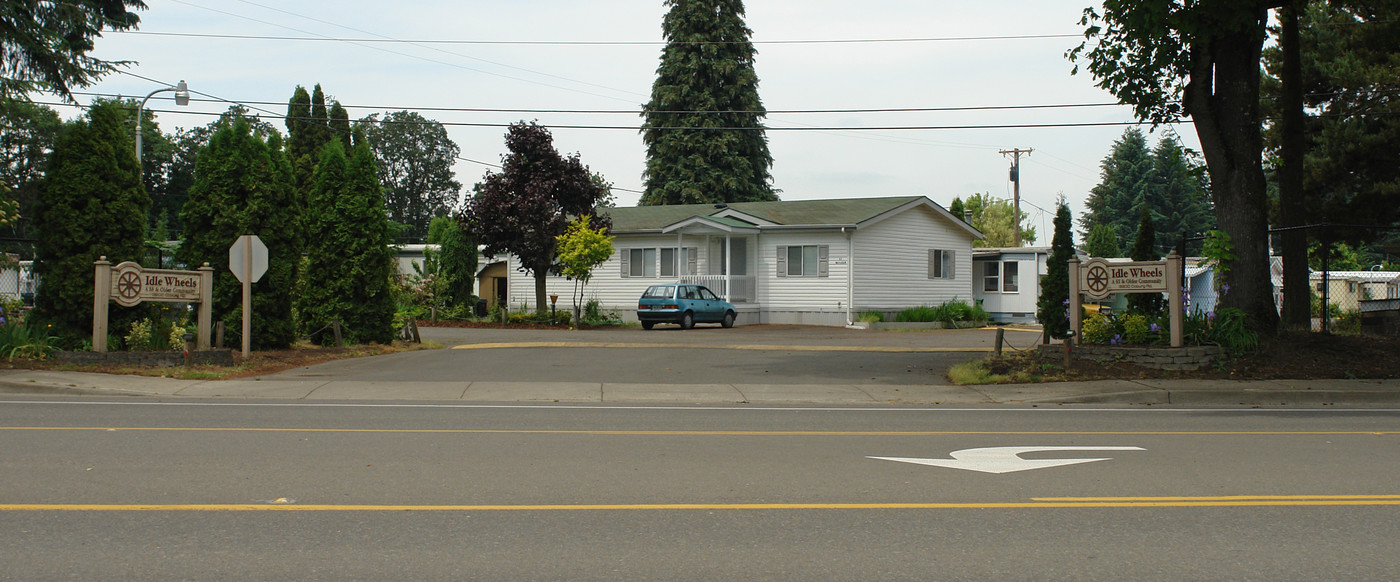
x=247, y=258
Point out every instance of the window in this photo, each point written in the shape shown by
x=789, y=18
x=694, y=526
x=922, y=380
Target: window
x=803, y=261
x=668, y=262
x=940, y=264
x=1003, y=277
x=1010, y=277
x=991, y=276
x=639, y=263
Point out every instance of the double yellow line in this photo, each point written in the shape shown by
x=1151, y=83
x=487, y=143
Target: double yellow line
x=1035, y=503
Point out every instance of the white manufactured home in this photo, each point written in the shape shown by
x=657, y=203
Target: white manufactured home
x=1006, y=281
x=817, y=262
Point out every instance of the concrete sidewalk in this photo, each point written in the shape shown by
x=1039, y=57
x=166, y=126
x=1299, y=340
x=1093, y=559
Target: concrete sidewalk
x=1160, y=392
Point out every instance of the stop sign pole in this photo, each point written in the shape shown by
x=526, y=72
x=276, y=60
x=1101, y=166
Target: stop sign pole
x=247, y=258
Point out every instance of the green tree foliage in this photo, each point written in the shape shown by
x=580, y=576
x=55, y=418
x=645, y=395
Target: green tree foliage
x=348, y=252
x=1167, y=181
x=522, y=209
x=91, y=204
x=340, y=125
x=1167, y=59
x=1102, y=242
x=28, y=136
x=415, y=163
x=44, y=45
x=180, y=173
x=705, y=141
x=957, y=208
x=992, y=216
x=308, y=130
x=1349, y=74
x=1051, y=308
x=582, y=249
x=243, y=185
x=456, y=257
x=1144, y=249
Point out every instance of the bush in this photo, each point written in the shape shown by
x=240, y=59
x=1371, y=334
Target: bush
x=1097, y=329
x=949, y=312
x=20, y=341
x=871, y=317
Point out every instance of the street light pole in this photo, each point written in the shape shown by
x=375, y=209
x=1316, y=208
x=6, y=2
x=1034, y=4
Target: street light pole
x=182, y=98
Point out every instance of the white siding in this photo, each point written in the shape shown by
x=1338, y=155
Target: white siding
x=1012, y=307
x=808, y=300
x=608, y=286
x=891, y=262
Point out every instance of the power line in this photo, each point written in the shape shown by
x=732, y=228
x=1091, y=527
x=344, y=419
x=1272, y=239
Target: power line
x=640, y=112
x=593, y=42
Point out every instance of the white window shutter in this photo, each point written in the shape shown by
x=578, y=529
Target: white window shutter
x=691, y=257
x=823, y=257
x=626, y=262
x=782, y=261
x=933, y=257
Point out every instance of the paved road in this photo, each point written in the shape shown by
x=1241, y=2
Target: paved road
x=706, y=355
x=103, y=489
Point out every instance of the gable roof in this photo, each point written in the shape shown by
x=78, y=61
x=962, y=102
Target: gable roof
x=850, y=212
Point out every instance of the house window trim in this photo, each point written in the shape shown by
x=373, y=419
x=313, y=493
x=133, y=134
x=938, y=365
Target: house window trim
x=823, y=262
x=942, y=264
x=1003, y=283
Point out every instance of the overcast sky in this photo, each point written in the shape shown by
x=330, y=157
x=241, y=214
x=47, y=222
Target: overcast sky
x=553, y=55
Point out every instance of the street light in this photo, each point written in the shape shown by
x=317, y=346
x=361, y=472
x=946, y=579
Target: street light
x=182, y=98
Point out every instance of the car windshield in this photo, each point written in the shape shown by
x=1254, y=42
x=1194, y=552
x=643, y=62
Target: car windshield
x=659, y=292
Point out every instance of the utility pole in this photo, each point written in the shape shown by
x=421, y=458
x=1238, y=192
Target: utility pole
x=1016, y=187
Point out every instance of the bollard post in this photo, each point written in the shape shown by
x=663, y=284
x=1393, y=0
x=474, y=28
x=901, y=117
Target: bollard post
x=1069, y=351
x=189, y=347
x=335, y=327
x=1001, y=334
x=219, y=335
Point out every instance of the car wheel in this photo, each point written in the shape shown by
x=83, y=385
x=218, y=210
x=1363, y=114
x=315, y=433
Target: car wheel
x=648, y=324
x=688, y=320
x=728, y=319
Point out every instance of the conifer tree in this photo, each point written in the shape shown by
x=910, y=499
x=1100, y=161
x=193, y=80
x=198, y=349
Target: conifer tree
x=705, y=141
x=1123, y=182
x=1102, y=242
x=91, y=204
x=340, y=125
x=1051, y=309
x=243, y=185
x=957, y=208
x=349, y=258
x=1144, y=249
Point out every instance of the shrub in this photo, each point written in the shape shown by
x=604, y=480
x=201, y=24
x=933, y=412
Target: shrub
x=1097, y=329
x=20, y=341
x=919, y=314
x=871, y=317
x=1135, y=329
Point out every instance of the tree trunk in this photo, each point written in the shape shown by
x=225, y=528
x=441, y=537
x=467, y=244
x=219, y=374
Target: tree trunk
x=1222, y=99
x=1290, y=188
x=541, y=301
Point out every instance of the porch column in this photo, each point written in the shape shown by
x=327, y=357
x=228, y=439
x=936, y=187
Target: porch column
x=728, y=268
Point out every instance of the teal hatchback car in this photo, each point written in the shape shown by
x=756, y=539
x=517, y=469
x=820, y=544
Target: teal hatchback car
x=683, y=304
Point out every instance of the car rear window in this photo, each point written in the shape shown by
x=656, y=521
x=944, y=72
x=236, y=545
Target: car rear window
x=659, y=292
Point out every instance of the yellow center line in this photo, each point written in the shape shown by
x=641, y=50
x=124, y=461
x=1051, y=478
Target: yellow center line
x=1051, y=503
x=760, y=433
x=789, y=348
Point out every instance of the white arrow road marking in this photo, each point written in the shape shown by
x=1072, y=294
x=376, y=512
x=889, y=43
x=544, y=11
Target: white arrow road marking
x=1004, y=459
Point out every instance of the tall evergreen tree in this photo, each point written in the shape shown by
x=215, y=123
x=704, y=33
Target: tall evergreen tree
x=1144, y=249
x=457, y=259
x=349, y=258
x=1179, y=196
x=1051, y=307
x=1123, y=183
x=957, y=208
x=705, y=141
x=243, y=185
x=91, y=204
x=340, y=125
x=1102, y=242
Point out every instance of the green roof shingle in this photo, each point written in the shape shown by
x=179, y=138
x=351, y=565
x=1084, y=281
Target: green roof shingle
x=795, y=212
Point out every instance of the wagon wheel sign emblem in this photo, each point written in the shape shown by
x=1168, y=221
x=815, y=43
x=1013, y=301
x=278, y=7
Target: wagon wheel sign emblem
x=1097, y=280
x=127, y=286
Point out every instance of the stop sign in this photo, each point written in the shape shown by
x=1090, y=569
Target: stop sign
x=256, y=266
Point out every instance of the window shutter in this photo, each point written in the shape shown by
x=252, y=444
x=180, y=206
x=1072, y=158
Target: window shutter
x=823, y=255
x=782, y=261
x=691, y=256
x=626, y=262
x=933, y=264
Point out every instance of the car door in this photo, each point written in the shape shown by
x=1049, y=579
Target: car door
x=712, y=309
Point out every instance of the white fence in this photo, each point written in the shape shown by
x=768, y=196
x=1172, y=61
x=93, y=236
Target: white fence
x=743, y=290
